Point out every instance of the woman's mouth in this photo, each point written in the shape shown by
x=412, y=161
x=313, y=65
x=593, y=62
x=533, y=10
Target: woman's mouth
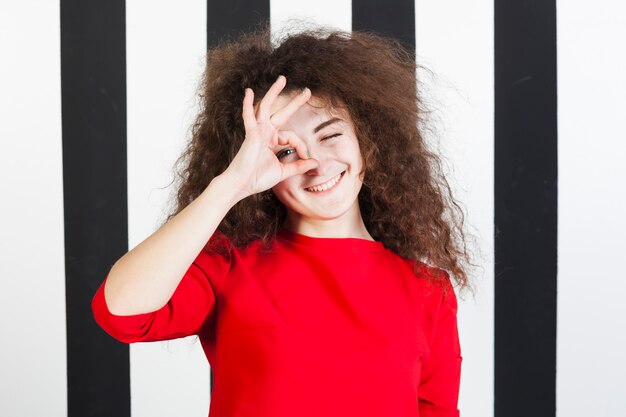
x=327, y=186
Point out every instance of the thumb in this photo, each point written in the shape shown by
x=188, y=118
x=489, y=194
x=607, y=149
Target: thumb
x=299, y=167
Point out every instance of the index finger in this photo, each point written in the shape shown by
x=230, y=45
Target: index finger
x=270, y=96
x=281, y=116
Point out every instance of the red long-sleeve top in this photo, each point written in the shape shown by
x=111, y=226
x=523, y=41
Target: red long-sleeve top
x=315, y=327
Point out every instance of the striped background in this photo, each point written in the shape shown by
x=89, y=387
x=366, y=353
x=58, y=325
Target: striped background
x=96, y=101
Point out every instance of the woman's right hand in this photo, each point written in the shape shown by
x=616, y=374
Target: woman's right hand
x=256, y=168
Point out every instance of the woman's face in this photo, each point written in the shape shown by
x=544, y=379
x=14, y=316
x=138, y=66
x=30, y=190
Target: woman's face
x=329, y=136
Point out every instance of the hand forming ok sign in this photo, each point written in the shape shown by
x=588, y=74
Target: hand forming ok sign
x=255, y=167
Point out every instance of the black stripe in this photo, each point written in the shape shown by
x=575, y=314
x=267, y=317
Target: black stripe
x=228, y=19
x=525, y=208
x=93, y=80
x=393, y=18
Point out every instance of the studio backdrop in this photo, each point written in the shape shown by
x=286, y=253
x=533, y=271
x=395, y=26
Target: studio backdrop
x=96, y=102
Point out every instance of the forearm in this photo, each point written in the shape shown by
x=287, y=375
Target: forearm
x=144, y=279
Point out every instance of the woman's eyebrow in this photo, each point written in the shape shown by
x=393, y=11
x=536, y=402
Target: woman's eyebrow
x=326, y=123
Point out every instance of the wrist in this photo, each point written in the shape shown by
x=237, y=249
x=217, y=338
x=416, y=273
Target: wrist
x=229, y=187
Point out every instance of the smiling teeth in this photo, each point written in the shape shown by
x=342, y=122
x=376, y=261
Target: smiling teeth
x=328, y=184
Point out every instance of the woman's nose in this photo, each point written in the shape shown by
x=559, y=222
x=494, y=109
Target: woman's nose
x=323, y=162
x=318, y=171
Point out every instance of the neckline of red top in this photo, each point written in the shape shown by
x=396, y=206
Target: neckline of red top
x=332, y=243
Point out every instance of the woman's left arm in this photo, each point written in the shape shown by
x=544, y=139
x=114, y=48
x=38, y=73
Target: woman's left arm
x=441, y=368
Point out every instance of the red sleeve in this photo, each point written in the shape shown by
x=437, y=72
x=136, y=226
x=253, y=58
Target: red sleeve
x=191, y=305
x=441, y=368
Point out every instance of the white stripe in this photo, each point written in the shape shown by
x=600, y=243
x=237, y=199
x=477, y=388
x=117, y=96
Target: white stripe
x=32, y=267
x=592, y=206
x=461, y=93
x=334, y=13
x=166, y=47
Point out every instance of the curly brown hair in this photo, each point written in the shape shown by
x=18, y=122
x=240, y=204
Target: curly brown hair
x=406, y=201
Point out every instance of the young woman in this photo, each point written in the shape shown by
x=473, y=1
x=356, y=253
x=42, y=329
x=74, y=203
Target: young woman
x=315, y=242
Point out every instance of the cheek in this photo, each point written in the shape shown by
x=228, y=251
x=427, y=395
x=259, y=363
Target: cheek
x=358, y=158
x=349, y=147
x=350, y=151
x=282, y=188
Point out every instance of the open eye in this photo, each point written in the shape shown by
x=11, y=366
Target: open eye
x=285, y=152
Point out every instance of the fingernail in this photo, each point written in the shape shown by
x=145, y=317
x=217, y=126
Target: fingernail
x=278, y=78
x=303, y=90
x=308, y=155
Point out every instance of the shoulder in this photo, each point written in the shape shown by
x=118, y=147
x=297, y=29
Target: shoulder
x=221, y=252
x=218, y=243
x=215, y=258
x=433, y=284
x=435, y=298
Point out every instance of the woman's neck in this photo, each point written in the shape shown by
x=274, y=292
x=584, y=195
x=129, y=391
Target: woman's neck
x=340, y=227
